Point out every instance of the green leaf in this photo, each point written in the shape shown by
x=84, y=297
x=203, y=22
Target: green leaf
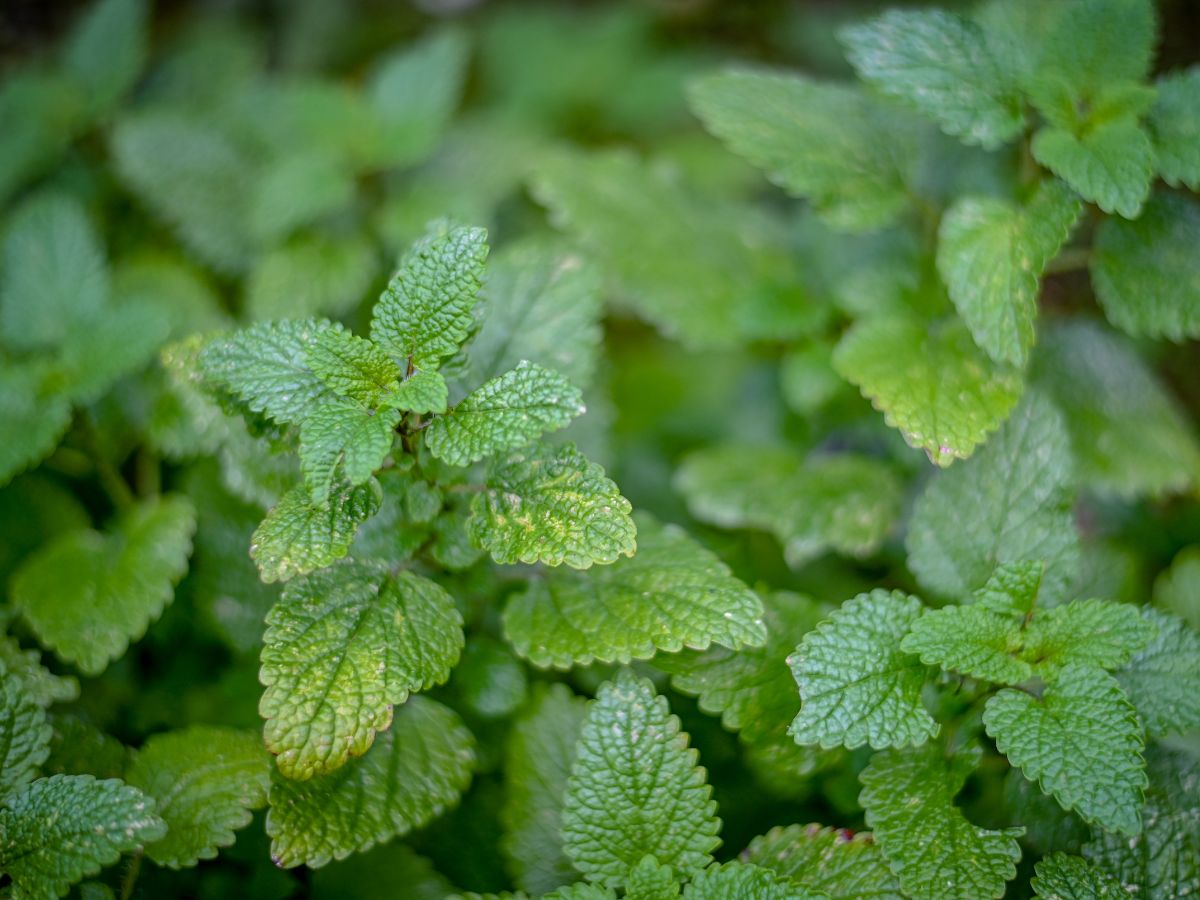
x=1099, y=633
x=351, y=366
x=417, y=769
x=1164, y=860
x=63, y=828
x=39, y=683
x=79, y=748
x=98, y=352
x=1098, y=43
x=553, y=506
x=1012, y=503
x=742, y=879
x=1128, y=434
x=344, y=441
x=1174, y=126
x=1146, y=273
x=504, y=414
x=425, y=313
x=313, y=274
x=650, y=881
x=542, y=302
x=54, y=270
x=672, y=594
x=33, y=422
x=86, y=595
x=1177, y=589
x=299, y=536
x=833, y=861
x=106, y=49
x=991, y=255
x=1082, y=742
x=908, y=796
x=24, y=735
x=844, y=502
x=930, y=381
x=266, y=366
x=1163, y=680
x=856, y=685
x=635, y=788
x=342, y=648
x=539, y=755
x=1111, y=164
x=421, y=392
x=1063, y=877
x=830, y=143
x=940, y=64
x=297, y=189
x=204, y=779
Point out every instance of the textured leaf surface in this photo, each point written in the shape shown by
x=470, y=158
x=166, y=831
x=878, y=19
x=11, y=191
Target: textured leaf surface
x=299, y=536
x=672, y=594
x=343, y=441
x=39, y=683
x=541, y=750
x=831, y=861
x=940, y=64
x=929, y=381
x=267, y=366
x=421, y=392
x=424, y=315
x=1128, y=434
x=66, y=827
x=352, y=366
x=204, y=780
x=553, y=506
x=932, y=848
x=1010, y=504
x=1174, y=126
x=971, y=640
x=417, y=769
x=742, y=881
x=1064, y=877
x=86, y=595
x=635, y=788
x=856, y=685
x=1146, y=272
x=1163, y=680
x=1111, y=165
x=991, y=255
x=504, y=414
x=821, y=141
x=1098, y=633
x=342, y=648
x=24, y=735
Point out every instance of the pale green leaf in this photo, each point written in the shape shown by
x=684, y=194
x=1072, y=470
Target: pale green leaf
x=34, y=418
x=553, y=506
x=300, y=536
x=743, y=881
x=425, y=313
x=106, y=49
x=1081, y=741
x=940, y=64
x=932, y=848
x=991, y=255
x=416, y=770
x=539, y=755
x=1174, y=125
x=97, y=352
x=672, y=594
x=298, y=189
x=205, y=780
x=342, y=648
x=344, y=441
x=314, y=274
x=1064, y=877
x=24, y=735
x=504, y=414
x=421, y=392
x=650, y=881
x=635, y=788
x=86, y=595
x=830, y=143
x=1012, y=503
x=1146, y=273
x=856, y=685
x=1111, y=164
x=352, y=366
x=63, y=828
x=1177, y=589
x=930, y=381
x=1163, y=680
x=833, y=861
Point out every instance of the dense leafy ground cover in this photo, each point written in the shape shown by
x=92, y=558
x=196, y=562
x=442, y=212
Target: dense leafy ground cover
x=600, y=451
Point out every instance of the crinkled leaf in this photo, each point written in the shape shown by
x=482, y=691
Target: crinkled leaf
x=39, y=683
x=930, y=845
x=205, y=780
x=1064, y=877
x=635, y=788
x=351, y=366
x=856, y=685
x=1174, y=126
x=504, y=414
x=833, y=861
x=86, y=595
x=553, y=506
x=743, y=881
x=24, y=735
x=1099, y=633
x=344, y=441
x=1163, y=680
x=1111, y=164
x=342, y=648
x=650, y=881
x=416, y=769
x=672, y=594
x=930, y=381
x=421, y=392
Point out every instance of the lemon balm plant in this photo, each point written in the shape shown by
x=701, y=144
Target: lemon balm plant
x=318, y=580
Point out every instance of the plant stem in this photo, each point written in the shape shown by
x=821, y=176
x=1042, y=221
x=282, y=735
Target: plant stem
x=1070, y=260
x=131, y=876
